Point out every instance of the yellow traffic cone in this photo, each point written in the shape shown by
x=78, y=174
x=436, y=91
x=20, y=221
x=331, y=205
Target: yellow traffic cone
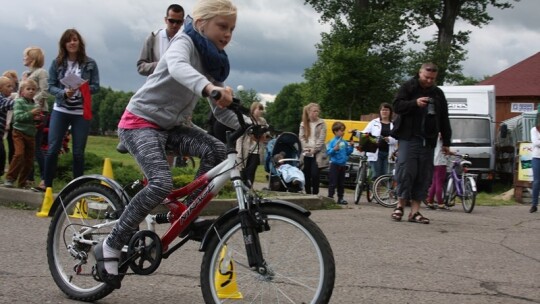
x=47, y=203
x=107, y=170
x=225, y=278
x=81, y=210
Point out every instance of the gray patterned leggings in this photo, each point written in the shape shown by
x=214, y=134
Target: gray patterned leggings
x=148, y=148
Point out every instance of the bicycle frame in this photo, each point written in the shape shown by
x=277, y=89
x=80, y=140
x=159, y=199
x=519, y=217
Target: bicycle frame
x=458, y=179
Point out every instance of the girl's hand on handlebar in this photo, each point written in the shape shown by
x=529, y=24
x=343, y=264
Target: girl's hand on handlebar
x=225, y=96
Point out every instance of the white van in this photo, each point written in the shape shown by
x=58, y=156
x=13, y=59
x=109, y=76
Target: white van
x=472, y=117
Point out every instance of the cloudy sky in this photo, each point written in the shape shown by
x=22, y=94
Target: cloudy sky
x=273, y=43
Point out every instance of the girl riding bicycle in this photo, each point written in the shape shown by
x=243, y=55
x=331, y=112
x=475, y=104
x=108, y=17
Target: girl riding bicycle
x=158, y=117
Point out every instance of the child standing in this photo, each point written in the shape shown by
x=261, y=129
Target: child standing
x=34, y=58
x=339, y=151
x=6, y=104
x=24, y=131
x=436, y=189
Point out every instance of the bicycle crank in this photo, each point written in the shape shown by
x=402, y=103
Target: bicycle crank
x=144, y=252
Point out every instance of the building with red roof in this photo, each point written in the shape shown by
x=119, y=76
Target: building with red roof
x=517, y=88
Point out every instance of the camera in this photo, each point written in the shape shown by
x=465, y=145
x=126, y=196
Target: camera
x=431, y=106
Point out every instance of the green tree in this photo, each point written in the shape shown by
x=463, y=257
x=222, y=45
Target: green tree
x=285, y=113
x=383, y=26
x=447, y=48
x=360, y=61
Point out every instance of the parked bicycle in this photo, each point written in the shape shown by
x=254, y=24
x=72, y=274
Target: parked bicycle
x=363, y=176
x=385, y=186
x=262, y=251
x=385, y=190
x=461, y=184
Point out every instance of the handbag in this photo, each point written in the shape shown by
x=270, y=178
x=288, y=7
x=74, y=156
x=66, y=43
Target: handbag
x=322, y=158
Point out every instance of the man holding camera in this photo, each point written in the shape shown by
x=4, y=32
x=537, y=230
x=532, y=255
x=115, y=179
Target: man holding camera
x=422, y=112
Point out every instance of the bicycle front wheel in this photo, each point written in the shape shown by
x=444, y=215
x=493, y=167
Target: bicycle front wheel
x=384, y=191
x=450, y=193
x=360, y=180
x=71, y=234
x=469, y=194
x=300, y=262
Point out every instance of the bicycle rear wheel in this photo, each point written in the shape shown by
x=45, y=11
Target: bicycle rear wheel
x=360, y=180
x=300, y=262
x=469, y=194
x=384, y=191
x=69, y=242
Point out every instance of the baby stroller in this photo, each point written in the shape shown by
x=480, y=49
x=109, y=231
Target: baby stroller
x=286, y=147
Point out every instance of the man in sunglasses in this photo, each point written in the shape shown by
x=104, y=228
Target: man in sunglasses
x=422, y=112
x=158, y=41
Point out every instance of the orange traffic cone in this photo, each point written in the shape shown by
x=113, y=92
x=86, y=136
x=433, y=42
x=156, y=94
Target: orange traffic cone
x=47, y=203
x=225, y=278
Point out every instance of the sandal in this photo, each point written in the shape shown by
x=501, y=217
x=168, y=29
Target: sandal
x=109, y=279
x=397, y=214
x=418, y=218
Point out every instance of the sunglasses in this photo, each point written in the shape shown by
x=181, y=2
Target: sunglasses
x=431, y=70
x=175, y=21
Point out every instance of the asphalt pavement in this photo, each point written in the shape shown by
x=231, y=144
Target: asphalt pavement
x=489, y=256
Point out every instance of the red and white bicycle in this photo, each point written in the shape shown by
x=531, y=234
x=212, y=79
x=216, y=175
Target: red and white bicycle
x=271, y=248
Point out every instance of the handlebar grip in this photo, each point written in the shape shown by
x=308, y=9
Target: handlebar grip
x=215, y=94
x=235, y=106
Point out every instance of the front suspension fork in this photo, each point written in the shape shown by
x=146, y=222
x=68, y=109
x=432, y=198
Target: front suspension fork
x=253, y=223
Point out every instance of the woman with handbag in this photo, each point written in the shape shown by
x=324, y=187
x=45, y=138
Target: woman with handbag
x=381, y=127
x=312, y=135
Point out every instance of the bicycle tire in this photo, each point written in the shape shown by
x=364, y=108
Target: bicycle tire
x=384, y=191
x=369, y=193
x=450, y=193
x=67, y=222
x=360, y=183
x=469, y=194
x=300, y=260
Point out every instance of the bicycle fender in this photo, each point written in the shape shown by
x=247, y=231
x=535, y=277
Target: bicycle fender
x=234, y=212
x=85, y=179
x=473, y=183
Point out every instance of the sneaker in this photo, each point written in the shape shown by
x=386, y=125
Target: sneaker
x=442, y=207
x=533, y=209
x=38, y=189
x=8, y=184
x=342, y=202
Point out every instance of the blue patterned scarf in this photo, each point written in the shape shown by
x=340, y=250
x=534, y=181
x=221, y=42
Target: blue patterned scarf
x=215, y=62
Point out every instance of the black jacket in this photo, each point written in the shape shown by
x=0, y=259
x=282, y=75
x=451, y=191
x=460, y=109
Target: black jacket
x=413, y=121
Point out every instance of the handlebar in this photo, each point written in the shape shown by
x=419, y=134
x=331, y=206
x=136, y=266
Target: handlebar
x=240, y=111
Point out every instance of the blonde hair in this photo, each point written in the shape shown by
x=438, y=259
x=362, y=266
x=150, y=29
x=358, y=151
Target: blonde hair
x=208, y=9
x=254, y=106
x=5, y=80
x=28, y=83
x=36, y=55
x=11, y=74
x=305, y=118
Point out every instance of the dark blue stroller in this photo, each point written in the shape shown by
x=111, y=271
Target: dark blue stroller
x=286, y=146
